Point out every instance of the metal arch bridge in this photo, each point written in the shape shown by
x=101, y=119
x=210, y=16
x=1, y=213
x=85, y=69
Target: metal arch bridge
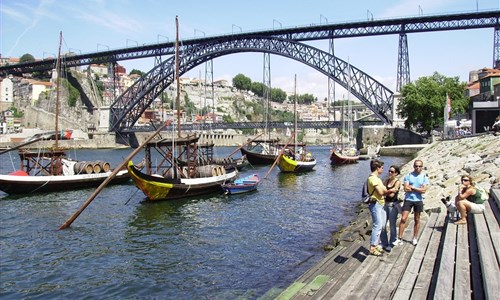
x=196, y=51
x=129, y=106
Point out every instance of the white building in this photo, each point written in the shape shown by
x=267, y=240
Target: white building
x=7, y=87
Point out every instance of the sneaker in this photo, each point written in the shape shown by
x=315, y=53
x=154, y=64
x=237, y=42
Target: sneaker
x=397, y=242
x=375, y=252
x=387, y=248
x=379, y=248
x=414, y=242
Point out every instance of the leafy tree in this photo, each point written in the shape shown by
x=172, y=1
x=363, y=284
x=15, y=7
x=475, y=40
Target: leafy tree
x=74, y=94
x=26, y=58
x=278, y=95
x=423, y=101
x=257, y=88
x=135, y=71
x=241, y=82
x=227, y=119
x=16, y=113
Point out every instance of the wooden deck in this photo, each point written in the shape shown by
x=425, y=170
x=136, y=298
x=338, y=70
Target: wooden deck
x=449, y=262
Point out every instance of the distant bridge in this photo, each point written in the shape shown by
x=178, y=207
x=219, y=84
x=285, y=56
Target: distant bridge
x=128, y=107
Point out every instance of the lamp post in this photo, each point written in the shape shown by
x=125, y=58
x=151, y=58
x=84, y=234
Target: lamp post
x=232, y=28
x=158, y=38
x=195, y=30
x=276, y=21
x=368, y=14
x=136, y=43
x=102, y=46
x=321, y=16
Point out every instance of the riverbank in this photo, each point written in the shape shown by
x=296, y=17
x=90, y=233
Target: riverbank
x=444, y=163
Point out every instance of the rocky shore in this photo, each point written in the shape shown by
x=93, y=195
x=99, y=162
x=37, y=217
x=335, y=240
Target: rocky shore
x=444, y=163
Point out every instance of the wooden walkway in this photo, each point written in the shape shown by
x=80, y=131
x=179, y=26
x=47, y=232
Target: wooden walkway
x=449, y=262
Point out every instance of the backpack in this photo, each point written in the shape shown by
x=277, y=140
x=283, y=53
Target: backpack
x=365, y=197
x=484, y=193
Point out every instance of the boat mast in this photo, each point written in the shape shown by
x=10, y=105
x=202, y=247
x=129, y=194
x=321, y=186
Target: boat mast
x=349, y=106
x=178, y=97
x=295, y=112
x=58, y=82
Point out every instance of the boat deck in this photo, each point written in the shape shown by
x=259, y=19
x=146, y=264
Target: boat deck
x=449, y=262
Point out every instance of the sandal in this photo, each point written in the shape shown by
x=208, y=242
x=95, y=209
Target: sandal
x=461, y=222
x=375, y=252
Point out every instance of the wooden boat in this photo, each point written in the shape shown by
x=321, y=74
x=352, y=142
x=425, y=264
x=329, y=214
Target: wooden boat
x=290, y=163
x=261, y=151
x=43, y=172
x=242, y=185
x=49, y=170
x=346, y=153
x=296, y=159
x=180, y=177
x=342, y=157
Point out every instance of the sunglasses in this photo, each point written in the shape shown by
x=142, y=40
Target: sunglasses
x=391, y=171
x=465, y=179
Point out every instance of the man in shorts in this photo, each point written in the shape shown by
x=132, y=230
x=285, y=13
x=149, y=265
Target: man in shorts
x=415, y=184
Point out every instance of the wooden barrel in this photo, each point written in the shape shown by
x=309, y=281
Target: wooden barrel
x=83, y=167
x=96, y=168
x=105, y=166
x=223, y=170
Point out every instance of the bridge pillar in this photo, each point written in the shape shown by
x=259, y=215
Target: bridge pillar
x=403, y=76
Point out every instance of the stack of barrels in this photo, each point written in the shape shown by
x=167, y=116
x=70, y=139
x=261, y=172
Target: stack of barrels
x=89, y=167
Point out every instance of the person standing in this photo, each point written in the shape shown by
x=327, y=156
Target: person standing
x=377, y=191
x=415, y=184
x=392, y=185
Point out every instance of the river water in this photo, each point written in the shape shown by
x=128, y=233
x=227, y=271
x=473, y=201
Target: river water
x=245, y=246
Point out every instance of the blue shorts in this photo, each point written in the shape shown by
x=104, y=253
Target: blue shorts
x=418, y=206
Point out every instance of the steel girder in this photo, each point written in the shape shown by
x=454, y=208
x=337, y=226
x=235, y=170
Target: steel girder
x=476, y=20
x=127, y=109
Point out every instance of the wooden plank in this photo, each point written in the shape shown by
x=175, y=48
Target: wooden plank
x=339, y=276
x=493, y=227
x=423, y=282
x=411, y=272
x=370, y=287
x=463, y=285
x=341, y=262
x=446, y=269
x=487, y=258
x=495, y=194
x=321, y=265
x=475, y=269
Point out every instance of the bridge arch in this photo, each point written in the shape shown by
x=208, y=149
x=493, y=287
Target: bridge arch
x=129, y=106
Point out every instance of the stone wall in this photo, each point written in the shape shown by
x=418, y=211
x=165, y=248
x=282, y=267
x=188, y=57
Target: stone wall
x=444, y=162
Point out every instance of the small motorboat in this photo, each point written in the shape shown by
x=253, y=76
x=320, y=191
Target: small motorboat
x=242, y=185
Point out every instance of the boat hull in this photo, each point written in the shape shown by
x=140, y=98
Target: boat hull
x=288, y=165
x=240, y=186
x=12, y=184
x=338, y=159
x=258, y=158
x=159, y=188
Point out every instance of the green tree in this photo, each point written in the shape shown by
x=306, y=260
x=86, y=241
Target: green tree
x=278, y=95
x=26, y=58
x=257, y=88
x=241, y=82
x=135, y=71
x=423, y=101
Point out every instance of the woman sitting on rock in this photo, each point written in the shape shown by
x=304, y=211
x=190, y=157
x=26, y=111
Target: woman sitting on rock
x=468, y=199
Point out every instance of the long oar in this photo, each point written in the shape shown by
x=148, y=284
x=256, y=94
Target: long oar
x=244, y=145
x=279, y=155
x=21, y=145
x=110, y=177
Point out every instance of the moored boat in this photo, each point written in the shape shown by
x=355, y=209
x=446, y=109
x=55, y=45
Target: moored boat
x=242, y=185
x=342, y=157
x=178, y=175
x=290, y=163
x=261, y=152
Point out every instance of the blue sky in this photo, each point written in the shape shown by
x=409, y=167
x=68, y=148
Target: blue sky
x=33, y=26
